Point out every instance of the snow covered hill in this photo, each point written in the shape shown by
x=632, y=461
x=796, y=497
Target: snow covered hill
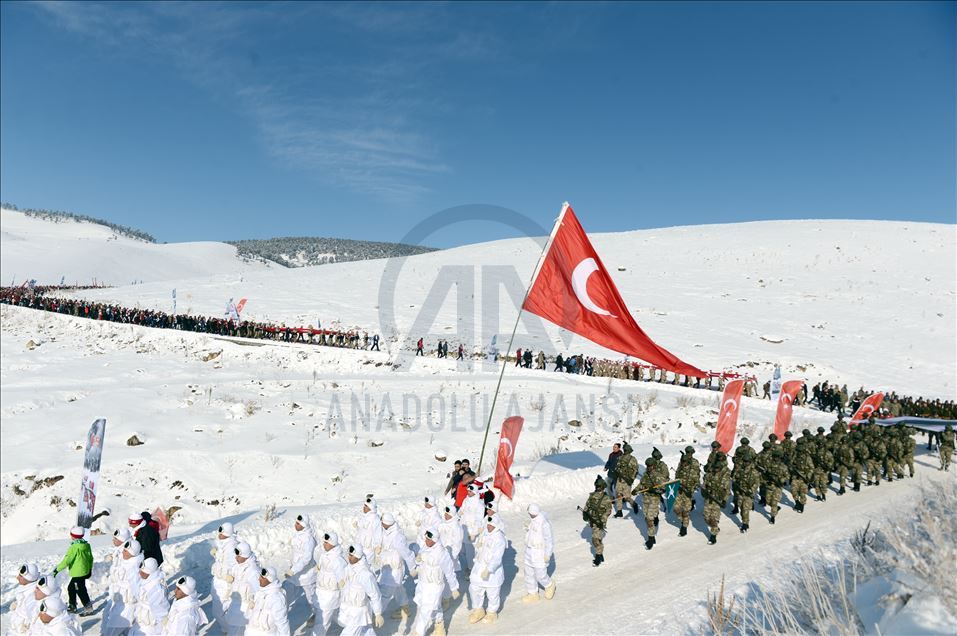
x=864, y=302
x=81, y=253
x=253, y=431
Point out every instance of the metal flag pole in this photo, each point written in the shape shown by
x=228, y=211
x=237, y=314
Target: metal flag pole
x=498, y=385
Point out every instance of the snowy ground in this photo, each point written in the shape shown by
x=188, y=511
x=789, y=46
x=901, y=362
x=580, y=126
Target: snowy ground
x=231, y=427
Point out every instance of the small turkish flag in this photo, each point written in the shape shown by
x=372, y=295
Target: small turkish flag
x=728, y=415
x=867, y=408
x=574, y=291
x=511, y=429
x=782, y=419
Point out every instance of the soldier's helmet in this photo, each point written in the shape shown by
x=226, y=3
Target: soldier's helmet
x=627, y=448
x=600, y=483
x=948, y=428
x=650, y=462
x=773, y=437
x=805, y=432
x=820, y=429
x=715, y=444
x=689, y=450
x=777, y=451
x=745, y=441
x=765, y=445
x=788, y=434
x=801, y=442
x=656, y=453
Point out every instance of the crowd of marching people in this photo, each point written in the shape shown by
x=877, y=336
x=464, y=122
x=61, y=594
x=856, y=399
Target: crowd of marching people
x=460, y=542
x=809, y=463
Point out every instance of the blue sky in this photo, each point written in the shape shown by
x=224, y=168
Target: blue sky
x=217, y=121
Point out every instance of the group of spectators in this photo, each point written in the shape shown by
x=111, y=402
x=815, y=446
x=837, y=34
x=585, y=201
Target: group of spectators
x=42, y=298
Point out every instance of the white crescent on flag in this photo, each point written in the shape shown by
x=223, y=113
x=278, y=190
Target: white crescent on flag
x=580, y=283
x=508, y=442
x=733, y=405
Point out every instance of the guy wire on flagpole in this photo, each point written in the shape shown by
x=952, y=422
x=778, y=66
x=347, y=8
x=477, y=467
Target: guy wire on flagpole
x=508, y=350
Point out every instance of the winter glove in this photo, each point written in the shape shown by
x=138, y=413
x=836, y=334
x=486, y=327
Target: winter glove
x=418, y=523
x=485, y=575
x=342, y=584
x=414, y=572
x=109, y=558
x=13, y=606
x=229, y=578
x=378, y=550
x=213, y=552
x=585, y=517
x=379, y=621
x=318, y=567
x=456, y=594
x=290, y=574
x=355, y=524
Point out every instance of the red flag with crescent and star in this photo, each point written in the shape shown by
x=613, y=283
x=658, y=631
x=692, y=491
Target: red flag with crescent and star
x=782, y=419
x=511, y=429
x=728, y=415
x=867, y=408
x=573, y=290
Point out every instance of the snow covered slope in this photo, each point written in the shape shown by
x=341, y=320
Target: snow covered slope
x=83, y=252
x=864, y=302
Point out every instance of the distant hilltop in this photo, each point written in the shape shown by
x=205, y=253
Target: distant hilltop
x=303, y=251
x=58, y=216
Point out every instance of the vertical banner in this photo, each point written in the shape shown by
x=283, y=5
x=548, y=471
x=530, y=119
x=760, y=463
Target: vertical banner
x=867, y=408
x=91, y=473
x=776, y=383
x=728, y=415
x=511, y=429
x=782, y=419
x=159, y=516
x=239, y=306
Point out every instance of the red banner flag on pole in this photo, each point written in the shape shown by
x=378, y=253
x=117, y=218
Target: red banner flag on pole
x=506, y=453
x=159, y=516
x=867, y=408
x=782, y=419
x=728, y=415
x=574, y=290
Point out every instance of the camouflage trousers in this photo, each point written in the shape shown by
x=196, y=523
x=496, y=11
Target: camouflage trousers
x=799, y=490
x=774, y=498
x=745, y=504
x=946, y=452
x=856, y=473
x=820, y=482
x=682, y=508
x=874, y=471
x=842, y=475
x=909, y=461
x=623, y=493
x=597, y=534
x=712, y=515
x=649, y=505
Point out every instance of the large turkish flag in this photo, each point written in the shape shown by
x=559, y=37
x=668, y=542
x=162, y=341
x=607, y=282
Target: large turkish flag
x=511, y=429
x=867, y=408
x=782, y=418
x=574, y=291
x=728, y=415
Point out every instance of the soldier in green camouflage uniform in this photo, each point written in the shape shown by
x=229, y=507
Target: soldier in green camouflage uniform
x=627, y=469
x=895, y=454
x=744, y=452
x=946, y=448
x=776, y=475
x=910, y=445
x=715, y=449
x=861, y=458
x=788, y=447
x=660, y=471
x=745, y=480
x=844, y=456
x=761, y=463
x=716, y=490
x=876, y=452
x=823, y=461
x=802, y=467
x=688, y=474
x=597, y=510
x=650, y=499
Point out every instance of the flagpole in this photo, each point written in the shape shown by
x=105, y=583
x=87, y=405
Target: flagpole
x=498, y=385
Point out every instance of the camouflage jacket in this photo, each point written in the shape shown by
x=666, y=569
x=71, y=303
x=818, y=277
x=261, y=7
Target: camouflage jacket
x=661, y=472
x=895, y=450
x=745, y=454
x=598, y=508
x=627, y=468
x=648, y=482
x=717, y=485
x=746, y=478
x=788, y=446
x=845, y=454
x=910, y=444
x=689, y=474
x=947, y=439
x=776, y=473
x=861, y=451
x=802, y=467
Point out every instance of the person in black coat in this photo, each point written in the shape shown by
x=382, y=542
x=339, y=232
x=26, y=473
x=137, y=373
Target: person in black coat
x=147, y=534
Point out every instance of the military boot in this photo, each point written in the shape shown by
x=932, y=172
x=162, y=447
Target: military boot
x=799, y=507
x=857, y=487
x=619, y=514
x=842, y=490
x=734, y=509
x=683, y=531
x=712, y=539
x=744, y=528
x=656, y=522
x=650, y=543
